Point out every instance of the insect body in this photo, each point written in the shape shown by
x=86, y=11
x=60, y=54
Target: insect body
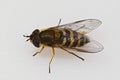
x=68, y=36
x=62, y=38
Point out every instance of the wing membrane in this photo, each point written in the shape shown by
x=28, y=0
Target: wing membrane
x=91, y=47
x=86, y=25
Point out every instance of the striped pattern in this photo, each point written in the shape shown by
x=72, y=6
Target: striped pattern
x=69, y=38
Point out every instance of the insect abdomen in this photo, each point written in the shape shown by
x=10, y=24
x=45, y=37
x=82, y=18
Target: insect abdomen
x=70, y=38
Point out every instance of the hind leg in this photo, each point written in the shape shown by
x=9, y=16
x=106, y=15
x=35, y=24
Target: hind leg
x=72, y=53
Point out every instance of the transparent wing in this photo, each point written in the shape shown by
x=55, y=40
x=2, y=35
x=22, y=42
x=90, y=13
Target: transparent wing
x=82, y=26
x=91, y=47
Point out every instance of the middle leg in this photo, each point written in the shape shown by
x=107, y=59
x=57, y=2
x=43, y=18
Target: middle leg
x=53, y=53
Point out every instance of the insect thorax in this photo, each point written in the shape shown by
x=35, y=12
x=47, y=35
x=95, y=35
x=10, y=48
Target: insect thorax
x=49, y=37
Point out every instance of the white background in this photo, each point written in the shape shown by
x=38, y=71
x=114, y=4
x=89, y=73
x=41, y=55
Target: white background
x=18, y=17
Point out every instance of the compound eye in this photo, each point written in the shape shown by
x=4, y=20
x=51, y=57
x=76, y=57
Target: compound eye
x=36, y=31
x=36, y=41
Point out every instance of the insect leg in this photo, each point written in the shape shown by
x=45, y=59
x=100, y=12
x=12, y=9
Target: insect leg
x=59, y=22
x=39, y=51
x=53, y=53
x=72, y=53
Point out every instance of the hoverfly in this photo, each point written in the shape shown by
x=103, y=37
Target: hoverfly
x=68, y=36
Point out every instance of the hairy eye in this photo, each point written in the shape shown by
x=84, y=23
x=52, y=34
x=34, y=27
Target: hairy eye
x=36, y=31
x=36, y=41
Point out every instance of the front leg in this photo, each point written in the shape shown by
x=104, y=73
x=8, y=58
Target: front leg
x=39, y=51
